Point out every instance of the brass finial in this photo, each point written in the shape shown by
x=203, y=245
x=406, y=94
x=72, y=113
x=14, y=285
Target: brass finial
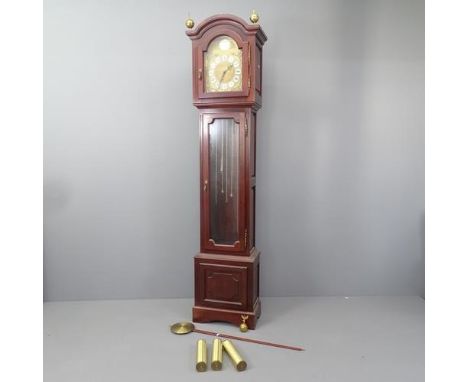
x=254, y=16
x=243, y=326
x=189, y=23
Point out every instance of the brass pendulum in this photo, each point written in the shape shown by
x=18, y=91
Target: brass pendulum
x=188, y=327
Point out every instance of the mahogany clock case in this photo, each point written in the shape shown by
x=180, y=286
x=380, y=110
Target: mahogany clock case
x=228, y=266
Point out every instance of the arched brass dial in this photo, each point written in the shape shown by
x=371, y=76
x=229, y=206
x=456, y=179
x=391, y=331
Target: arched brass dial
x=223, y=66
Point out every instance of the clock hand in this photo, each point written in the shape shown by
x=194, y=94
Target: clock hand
x=224, y=73
x=222, y=77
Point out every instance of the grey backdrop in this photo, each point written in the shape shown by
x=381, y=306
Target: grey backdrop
x=340, y=148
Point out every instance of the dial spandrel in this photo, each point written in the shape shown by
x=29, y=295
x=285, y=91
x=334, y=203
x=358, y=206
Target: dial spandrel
x=223, y=66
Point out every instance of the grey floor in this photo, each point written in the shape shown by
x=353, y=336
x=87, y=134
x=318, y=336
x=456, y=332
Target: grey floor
x=375, y=339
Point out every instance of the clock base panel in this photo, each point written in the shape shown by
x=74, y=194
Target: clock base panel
x=227, y=288
x=204, y=314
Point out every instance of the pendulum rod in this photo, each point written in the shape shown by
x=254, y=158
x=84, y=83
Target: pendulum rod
x=259, y=342
x=188, y=327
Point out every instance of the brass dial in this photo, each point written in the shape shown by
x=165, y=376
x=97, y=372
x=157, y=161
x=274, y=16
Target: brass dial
x=223, y=66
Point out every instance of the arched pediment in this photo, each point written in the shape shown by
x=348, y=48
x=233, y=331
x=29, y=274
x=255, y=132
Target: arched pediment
x=235, y=22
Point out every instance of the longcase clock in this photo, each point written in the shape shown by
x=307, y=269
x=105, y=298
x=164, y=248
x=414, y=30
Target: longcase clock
x=227, y=90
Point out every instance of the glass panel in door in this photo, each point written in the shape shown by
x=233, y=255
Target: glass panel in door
x=224, y=181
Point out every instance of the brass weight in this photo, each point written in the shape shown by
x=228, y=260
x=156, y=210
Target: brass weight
x=236, y=358
x=201, y=355
x=217, y=355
